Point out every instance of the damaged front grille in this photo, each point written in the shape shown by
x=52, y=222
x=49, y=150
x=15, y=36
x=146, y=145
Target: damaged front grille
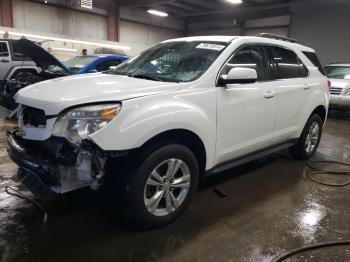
x=32, y=117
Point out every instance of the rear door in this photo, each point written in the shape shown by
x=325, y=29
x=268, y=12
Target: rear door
x=292, y=89
x=5, y=59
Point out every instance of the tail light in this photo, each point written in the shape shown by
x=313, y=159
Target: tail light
x=329, y=84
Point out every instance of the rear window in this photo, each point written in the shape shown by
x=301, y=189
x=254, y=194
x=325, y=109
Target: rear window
x=316, y=62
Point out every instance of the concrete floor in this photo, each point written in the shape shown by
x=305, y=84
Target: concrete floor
x=271, y=207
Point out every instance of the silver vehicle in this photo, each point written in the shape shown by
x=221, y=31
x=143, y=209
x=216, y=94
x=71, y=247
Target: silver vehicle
x=339, y=76
x=12, y=62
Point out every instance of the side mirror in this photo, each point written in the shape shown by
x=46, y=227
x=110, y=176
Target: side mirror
x=112, y=68
x=239, y=75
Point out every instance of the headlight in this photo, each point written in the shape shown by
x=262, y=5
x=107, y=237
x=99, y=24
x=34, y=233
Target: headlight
x=80, y=122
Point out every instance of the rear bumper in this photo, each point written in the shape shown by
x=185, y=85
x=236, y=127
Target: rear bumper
x=37, y=172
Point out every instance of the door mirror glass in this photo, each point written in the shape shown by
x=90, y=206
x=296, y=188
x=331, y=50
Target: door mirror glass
x=239, y=75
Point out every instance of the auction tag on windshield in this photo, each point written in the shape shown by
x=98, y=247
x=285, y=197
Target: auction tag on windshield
x=210, y=46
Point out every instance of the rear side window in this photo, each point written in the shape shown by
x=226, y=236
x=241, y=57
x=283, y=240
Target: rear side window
x=3, y=49
x=315, y=61
x=287, y=64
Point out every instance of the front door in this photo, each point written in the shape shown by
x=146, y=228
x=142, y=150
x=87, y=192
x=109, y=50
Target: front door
x=246, y=113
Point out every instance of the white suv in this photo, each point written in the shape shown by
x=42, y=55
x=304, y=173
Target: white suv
x=158, y=123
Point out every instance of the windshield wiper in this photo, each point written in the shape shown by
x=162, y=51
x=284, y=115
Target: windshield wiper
x=144, y=76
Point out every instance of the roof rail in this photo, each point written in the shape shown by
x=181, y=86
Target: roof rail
x=278, y=37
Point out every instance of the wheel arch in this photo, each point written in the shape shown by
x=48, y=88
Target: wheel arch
x=321, y=111
x=184, y=137
x=17, y=70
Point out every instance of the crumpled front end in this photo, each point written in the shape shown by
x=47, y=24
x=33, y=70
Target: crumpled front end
x=55, y=166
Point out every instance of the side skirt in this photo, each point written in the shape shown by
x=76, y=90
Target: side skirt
x=250, y=157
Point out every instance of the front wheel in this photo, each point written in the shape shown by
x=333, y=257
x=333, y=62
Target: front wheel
x=159, y=190
x=309, y=139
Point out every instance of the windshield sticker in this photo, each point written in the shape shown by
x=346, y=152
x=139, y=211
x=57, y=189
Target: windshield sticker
x=210, y=46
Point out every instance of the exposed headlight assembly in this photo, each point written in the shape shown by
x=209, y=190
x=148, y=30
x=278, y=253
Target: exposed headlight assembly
x=80, y=122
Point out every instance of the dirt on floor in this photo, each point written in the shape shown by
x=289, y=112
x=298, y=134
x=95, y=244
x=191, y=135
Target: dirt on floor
x=271, y=207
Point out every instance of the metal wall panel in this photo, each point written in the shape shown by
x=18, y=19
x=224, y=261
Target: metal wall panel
x=326, y=31
x=51, y=19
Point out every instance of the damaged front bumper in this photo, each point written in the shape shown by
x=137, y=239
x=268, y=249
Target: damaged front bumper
x=55, y=166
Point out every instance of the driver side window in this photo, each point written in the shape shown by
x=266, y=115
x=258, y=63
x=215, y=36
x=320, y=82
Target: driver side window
x=253, y=57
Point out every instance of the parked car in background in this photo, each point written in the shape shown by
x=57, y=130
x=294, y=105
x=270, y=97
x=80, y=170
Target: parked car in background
x=156, y=125
x=89, y=64
x=339, y=76
x=50, y=67
x=13, y=62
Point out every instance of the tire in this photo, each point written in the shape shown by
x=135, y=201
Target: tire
x=302, y=151
x=137, y=186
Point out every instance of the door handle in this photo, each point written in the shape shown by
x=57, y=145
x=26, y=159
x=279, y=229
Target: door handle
x=269, y=94
x=4, y=61
x=307, y=87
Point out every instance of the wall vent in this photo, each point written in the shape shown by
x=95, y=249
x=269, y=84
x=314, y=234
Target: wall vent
x=86, y=4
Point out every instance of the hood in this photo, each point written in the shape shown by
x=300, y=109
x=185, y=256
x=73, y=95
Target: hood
x=57, y=94
x=339, y=83
x=39, y=55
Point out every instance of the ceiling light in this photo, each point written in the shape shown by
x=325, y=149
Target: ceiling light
x=234, y=1
x=156, y=12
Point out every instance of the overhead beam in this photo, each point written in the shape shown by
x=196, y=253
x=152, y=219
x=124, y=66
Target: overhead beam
x=242, y=15
x=204, y=3
x=234, y=10
x=141, y=2
x=183, y=6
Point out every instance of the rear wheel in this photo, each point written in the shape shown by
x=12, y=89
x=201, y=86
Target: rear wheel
x=309, y=139
x=160, y=188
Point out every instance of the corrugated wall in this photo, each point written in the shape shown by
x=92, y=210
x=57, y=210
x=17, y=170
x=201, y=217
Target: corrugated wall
x=50, y=19
x=325, y=31
x=141, y=36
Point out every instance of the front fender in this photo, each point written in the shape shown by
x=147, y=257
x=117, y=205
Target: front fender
x=144, y=118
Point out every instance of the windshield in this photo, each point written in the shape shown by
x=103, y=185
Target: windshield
x=173, y=62
x=338, y=72
x=75, y=64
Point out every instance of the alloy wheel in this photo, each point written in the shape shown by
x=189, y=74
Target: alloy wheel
x=312, y=137
x=167, y=187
